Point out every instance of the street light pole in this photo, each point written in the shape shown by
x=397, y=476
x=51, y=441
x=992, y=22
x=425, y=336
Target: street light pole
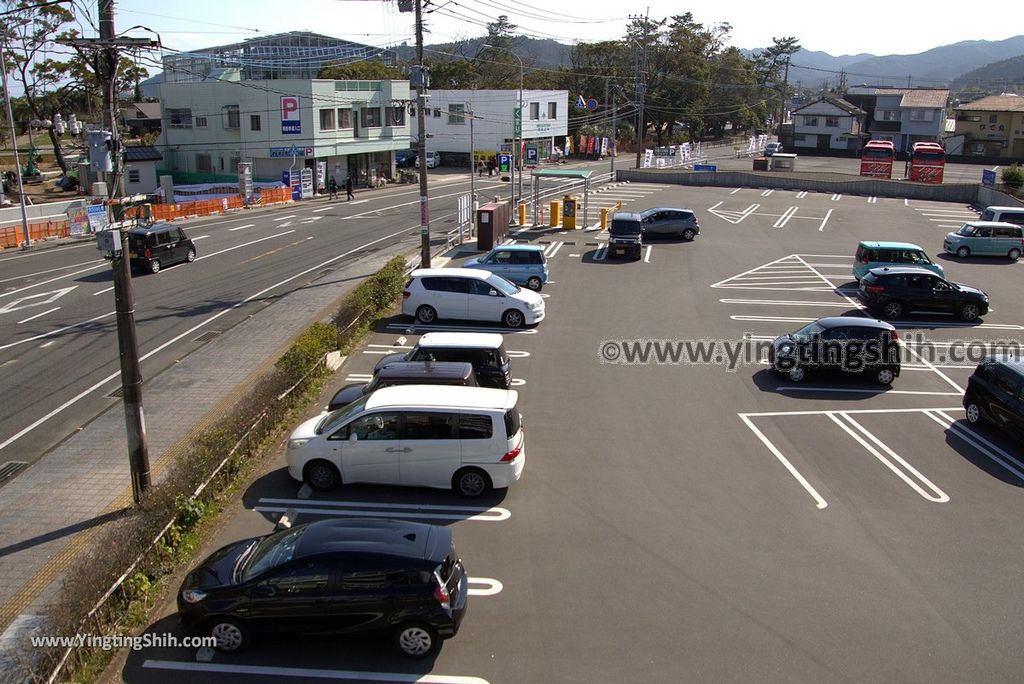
x=518, y=153
x=17, y=160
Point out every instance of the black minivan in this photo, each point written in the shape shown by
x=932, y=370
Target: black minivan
x=407, y=373
x=337, y=576
x=995, y=394
x=150, y=248
x=486, y=351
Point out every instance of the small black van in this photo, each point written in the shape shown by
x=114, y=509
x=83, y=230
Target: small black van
x=485, y=351
x=407, y=373
x=150, y=248
x=625, y=237
x=995, y=394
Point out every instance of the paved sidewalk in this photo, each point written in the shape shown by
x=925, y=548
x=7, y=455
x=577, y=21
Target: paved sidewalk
x=49, y=513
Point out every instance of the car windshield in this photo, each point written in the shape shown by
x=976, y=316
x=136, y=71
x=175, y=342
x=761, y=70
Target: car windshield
x=965, y=230
x=502, y=285
x=272, y=551
x=805, y=333
x=625, y=228
x=332, y=420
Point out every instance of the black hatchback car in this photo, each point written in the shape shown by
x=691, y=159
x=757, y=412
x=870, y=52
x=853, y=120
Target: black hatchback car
x=849, y=343
x=339, y=576
x=895, y=291
x=995, y=394
x=150, y=248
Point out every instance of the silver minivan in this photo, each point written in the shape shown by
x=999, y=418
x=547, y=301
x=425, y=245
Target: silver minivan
x=986, y=238
x=469, y=439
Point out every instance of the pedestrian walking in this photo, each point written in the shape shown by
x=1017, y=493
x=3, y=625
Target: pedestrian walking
x=333, y=186
x=348, y=188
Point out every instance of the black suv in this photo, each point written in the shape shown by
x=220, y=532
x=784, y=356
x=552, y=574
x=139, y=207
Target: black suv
x=894, y=291
x=490, y=361
x=849, y=343
x=344, y=575
x=995, y=394
x=625, y=237
x=161, y=244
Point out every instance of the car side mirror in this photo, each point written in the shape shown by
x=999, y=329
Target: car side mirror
x=493, y=293
x=353, y=437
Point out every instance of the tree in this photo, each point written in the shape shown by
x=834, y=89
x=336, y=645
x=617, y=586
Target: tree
x=771, y=65
x=363, y=70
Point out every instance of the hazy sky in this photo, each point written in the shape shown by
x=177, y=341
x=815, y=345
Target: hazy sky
x=837, y=28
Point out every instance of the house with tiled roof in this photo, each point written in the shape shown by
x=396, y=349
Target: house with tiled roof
x=140, y=175
x=829, y=123
x=992, y=126
x=141, y=118
x=902, y=115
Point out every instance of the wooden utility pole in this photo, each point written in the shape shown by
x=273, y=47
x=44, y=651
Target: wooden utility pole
x=421, y=144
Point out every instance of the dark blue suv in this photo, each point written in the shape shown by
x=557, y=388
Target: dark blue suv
x=995, y=394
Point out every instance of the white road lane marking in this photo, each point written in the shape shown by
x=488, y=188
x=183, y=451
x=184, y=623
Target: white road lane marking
x=379, y=510
x=992, y=451
x=282, y=218
x=824, y=220
x=32, y=318
x=260, y=672
x=820, y=502
x=647, y=257
x=485, y=586
x=247, y=225
x=317, y=211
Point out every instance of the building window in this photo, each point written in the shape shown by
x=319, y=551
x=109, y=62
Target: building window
x=396, y=116
x=831, y=122
x=204, y=163
x=992, y=118
x=179, y=118
x=534, y=111
x=344, y=118
x=370, y=116
x=234, y=162
x=254, y=122
x=810, y=121
x=326, y=119
x=972, y=118
x=200, y=122
x=232, y=119
x=922, y=115
x=456, y=114
x=437, y=112
x=412, y=110
x=552, y=110
x=134, y=176
x=220, y=161
x=887, y=115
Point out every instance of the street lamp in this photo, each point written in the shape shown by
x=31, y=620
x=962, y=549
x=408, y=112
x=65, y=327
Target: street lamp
x=519, y=153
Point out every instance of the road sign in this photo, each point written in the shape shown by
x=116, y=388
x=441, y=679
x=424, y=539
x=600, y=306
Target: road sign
x=592, y=104
x=531, y=155
x=517, y=121
x=705, y=167
x=988, y=177
x=504, y=162
x=580, y=102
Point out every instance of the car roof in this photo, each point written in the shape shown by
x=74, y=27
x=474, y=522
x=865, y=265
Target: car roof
x=1002, y=208
x=158, y=227
x=625, y=216
x=1007, y=359
x=892, y=270
x=462, y=339
x=888, y=245
x=435, y=369
x=442, y=397
x=519, y=248
x=836, y=321
x=362, y=535
x=990, y=224
x=648, y=211
x=477, y=273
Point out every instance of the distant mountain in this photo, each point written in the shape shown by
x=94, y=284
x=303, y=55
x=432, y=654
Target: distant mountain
x=1006, y=75
x=809, y=68
x=151, y=86
x=935, y=67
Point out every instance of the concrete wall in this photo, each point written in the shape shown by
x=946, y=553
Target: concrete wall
x=54, y=211
x=990, y=197
x=812, y=182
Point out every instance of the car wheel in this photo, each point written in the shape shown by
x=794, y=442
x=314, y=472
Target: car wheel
x=1014, y=254
x=534, y=283
x=154, y=266
x=471, y=482
x=426, y=314
x=191, y=256
x=970, y=312
x=974, y=416
x=688, y=234
x=321, y=475
x=231, y=635
x=797, y=374
x=963, y=252
x=513, y=318
x=417, y=640
x=892, y=309
x=885, y=376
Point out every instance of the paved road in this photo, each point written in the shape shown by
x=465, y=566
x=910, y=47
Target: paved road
x=687, y=521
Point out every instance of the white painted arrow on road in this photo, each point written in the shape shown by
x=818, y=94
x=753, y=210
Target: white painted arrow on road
x=35, y=300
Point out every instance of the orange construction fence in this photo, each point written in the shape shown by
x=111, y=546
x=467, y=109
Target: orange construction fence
x=13, y=236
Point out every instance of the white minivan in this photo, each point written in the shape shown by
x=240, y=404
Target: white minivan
x=469, y=294
x=469, y=439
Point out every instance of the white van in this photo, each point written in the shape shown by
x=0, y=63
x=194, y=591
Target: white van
x=469, y=294
x=469, y=439
x=1013, y=215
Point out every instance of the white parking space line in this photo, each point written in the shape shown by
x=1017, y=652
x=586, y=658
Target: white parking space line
x=784, y=219
x=257, y=672
x=647, y=256
x=418, y=328
x=846, y=423
x=860, y=390
x=382, y=510
x=836, y=197
x=820, y=502
x=484, y=586
x=801, y=194
x=872, y=200
x=735, y=191
x=601, y=253
x=389, y=346
x=783, y=302
x=552, y=249
x=766, y=193
x=992, y=451
x=38, y=315
x=247, y=225
x=824, y=220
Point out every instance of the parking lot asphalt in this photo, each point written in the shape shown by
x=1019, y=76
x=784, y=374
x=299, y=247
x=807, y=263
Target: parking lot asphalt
x=692, y=522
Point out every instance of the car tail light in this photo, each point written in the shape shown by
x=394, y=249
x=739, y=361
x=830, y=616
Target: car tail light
x=441, y=594
x=148, y=253
x=512, y=455
x=895, y=338
x=406, y=294
x=874, y=289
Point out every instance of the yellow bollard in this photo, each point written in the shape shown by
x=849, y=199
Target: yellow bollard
x=555, y=218
x=522, y=213
x=604, y=219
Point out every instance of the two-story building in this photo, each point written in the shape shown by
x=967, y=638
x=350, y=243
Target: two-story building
x=545, y=117
x=992, y=126
x=830, y=123
x=354, y=127
x=902, y=115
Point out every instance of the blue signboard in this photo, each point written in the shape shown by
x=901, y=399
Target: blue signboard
x=988, y=177
x=531, y=155
x=705, y=167
x=504, y=162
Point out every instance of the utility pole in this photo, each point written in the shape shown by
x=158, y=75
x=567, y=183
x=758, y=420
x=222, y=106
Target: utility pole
x=782, y=98
x=421, y=144
x=106, y=60
x=615, y=147
x=641, y=90
x=17, y=160
x=472, y=173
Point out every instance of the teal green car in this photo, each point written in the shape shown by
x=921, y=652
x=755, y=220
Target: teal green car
x=986, y=238
x=871, y=254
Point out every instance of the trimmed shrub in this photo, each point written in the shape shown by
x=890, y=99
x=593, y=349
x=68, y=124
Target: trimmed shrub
x=1013, y=177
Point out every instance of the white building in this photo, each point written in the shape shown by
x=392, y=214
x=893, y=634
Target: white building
x=352, y=126
x=140, y=169
x=545, y=117
x=830, y=123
